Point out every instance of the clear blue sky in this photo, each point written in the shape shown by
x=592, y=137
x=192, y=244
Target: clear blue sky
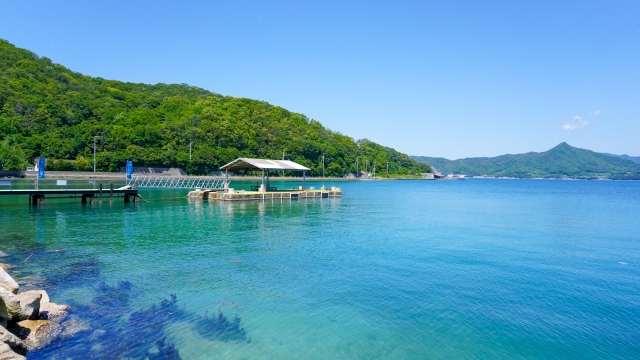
x=435, y=78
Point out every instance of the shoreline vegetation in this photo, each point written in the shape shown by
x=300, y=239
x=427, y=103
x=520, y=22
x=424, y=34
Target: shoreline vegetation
x=121, y=176
x=47, y=110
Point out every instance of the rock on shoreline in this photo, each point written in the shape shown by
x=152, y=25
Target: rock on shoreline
x=28, y=320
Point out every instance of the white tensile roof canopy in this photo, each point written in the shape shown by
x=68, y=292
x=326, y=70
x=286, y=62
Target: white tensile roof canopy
x=263, y=164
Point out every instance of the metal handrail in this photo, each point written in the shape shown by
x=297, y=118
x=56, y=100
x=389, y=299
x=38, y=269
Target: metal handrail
x=175, y=182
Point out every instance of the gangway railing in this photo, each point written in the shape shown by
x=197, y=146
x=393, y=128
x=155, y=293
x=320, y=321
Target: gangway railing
x=175, y=182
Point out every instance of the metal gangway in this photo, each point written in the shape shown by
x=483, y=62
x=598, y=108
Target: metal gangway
x=175, y=182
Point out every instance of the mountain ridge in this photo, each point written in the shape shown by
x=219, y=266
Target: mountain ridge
x=635, y=159
x=560, y=161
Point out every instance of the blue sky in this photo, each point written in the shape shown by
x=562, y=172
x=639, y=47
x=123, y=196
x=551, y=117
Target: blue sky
x=436, y=78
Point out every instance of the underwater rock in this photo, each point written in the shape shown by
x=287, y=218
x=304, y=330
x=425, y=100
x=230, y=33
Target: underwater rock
x=74, y=274
x=7, y=354
x=7, y=282
x=13, y=341
x=74, y=326
x=113, y=296
x=220, y=328
x=102, y=329
x=9, y=305
x=36, y=333
x=29, y=305
x=3, y=254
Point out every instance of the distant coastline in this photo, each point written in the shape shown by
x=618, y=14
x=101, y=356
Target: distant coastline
x=561, y=162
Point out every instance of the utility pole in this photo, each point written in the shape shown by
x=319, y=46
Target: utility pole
x=190, y=151
x=374, y=168
x=322, y=165
x=94, y=152
x=387, y=169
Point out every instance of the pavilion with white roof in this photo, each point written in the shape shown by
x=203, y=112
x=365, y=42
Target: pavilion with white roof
x=265, y=165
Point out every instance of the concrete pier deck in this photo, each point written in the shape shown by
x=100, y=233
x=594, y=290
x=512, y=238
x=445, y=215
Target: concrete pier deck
x=37, y=196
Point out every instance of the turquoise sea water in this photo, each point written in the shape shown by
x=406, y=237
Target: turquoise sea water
x=476, y=269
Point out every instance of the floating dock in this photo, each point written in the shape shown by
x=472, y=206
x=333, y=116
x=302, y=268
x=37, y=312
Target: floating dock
x=270, y=195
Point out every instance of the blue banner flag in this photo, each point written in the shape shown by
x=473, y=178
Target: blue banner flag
x=41, y=163
x=129, y=169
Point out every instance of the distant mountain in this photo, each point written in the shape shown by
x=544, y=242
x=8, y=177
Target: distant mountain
x=635, y=159
x=563, y=160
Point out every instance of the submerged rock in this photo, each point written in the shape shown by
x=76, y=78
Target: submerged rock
x=7, y=282
x=36, y=333
x=7, y=354
x=71, y=275
x=9, y=305
x=13, y=341
x=102, y=329
x=29, y=305
x=73, y=327
x=220, y=328
x=3, y=254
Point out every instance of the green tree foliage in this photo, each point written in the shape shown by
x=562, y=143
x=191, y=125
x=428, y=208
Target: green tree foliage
x=12, y=157
x=53, y=112
x=562, y=160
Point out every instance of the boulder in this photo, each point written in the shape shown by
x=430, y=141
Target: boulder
x=7, y=282
x=36, y=333
x=9, y=305
x=3, y=266
x=7, y=354
x=29, y=305
x=53, y=311
x=45, y=296
x=13, y=341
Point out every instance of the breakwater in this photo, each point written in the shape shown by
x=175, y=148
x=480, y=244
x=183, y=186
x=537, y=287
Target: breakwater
x=28, y=319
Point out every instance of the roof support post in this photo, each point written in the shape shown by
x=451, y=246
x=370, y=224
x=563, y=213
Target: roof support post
x=263, y=180
x=304, y=180
x=226, y=179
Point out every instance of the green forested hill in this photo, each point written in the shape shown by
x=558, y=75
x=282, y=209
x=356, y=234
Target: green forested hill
x=47, y=110
x=562, y=160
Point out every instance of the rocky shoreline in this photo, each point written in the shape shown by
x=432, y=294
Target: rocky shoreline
x=28, y=320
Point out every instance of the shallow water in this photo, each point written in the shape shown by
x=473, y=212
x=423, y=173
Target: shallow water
x=479, y=268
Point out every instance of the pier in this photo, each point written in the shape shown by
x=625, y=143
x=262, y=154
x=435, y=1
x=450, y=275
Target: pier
x=38, y=196
x=264, y=190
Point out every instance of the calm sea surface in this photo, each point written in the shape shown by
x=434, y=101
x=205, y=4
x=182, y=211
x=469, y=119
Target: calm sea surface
x=476, y=269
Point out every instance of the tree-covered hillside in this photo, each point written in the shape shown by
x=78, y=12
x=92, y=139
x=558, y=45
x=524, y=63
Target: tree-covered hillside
x=47, y=110
x=562, y=160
